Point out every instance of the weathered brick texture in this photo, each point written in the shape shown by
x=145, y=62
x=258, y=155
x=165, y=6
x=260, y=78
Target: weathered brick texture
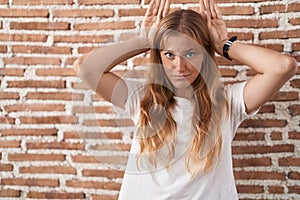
x=59, y=140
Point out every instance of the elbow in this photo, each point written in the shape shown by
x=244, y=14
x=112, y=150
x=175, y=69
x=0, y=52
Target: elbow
x=78, y=66
x=289, y=67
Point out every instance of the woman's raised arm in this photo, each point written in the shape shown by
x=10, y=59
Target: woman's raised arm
x=94, y=68
x=273, y=68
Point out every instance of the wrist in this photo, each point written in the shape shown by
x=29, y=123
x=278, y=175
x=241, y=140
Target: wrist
x=227, y=45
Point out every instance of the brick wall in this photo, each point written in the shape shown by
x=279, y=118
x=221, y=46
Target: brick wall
x=60, y=140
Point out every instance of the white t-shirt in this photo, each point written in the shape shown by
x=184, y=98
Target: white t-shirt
x=147, y=183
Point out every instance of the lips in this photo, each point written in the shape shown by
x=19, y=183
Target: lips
x=181, y=76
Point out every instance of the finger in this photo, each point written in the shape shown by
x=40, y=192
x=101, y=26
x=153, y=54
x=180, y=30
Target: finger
x=161, y=8
x=218, y=12
x=201, y=7
x=166, y=8
x=150, y=8
x=156, y=7
x=212, y=9
x=207, y=9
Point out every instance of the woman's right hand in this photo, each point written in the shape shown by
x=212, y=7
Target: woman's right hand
x=156, y=11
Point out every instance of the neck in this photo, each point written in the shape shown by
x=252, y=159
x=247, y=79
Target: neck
x=186, y=93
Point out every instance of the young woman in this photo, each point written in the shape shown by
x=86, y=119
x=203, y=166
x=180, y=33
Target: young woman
x=185, y=118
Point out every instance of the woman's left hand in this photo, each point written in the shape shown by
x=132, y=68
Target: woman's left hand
x=215, y=23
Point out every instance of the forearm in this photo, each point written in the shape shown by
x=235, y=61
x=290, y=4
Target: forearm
x=262, y=60
x=91, y=66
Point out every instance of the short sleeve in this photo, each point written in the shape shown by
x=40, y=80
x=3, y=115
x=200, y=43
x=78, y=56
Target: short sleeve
x=135, y=91
x=237, y=106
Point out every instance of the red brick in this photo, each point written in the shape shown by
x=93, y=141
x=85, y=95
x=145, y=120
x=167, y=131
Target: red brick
x=279, y=34
x=250, y=162
x=267, y=109
x=108, y=122
x=30, y=182
x=294, y=135
x=49, y=120
x=289, y=161
x=10, y=193
x=285, y=96
x=131, y=12
x=103, y=173
x=101, y=2
x=295, y=21
x=14, y=13
x=55, y=72
x=55, y=195
x=36, y=157
x=9, y=144
x=293, y=7
x=23, y=37
x=48, y=170
x=35, y=107
x=29, y=132
x=267, y=9
x=295, y=83
x=93, y=184
x=105, y=25
x=83, y=50
x=40, y=25
x=104, y=197
x=250, y=136
x=263, y=149
x=11, y=72
x=263, y=123
x=54, y=96
x=294, y=189
x=226, y=72
x=276, y=135
x=252, y=23
x=42, y=2
x=4, y=2
x=250, y=189
x=9, y=95
x=55, y=145
x=84, y=38
x=296, y=46
x=3, y=49
x=93, y=135
x=80, y=85
x=7, y=120
x=36, y=84
x=83, y=13
x=275, y=189
x=6, y=168
x=100, y=159
x=294, y=109
x=92, y=109
x=110, y=147
x=294, y=175
x=32, y=61
x=259, y=175
x=41, y=49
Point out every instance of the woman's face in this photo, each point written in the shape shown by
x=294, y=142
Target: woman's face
x=182, y=60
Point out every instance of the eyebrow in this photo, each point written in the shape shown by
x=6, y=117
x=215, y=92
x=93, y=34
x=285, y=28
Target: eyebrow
x=189, y=50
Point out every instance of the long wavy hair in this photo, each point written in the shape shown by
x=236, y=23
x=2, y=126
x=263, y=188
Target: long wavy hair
x=156, y=126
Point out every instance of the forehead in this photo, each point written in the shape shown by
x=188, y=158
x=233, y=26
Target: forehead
x=180, y=43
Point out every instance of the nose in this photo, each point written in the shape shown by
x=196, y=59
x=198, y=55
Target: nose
x=180, y=64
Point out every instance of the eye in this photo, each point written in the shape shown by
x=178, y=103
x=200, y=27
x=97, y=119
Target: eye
x=169, y=55
x=190, y=54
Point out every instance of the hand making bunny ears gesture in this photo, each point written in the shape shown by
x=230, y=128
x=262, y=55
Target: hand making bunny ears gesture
x=215, y=23
x=157, y=10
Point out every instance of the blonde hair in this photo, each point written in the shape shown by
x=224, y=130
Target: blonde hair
x=158, y=101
